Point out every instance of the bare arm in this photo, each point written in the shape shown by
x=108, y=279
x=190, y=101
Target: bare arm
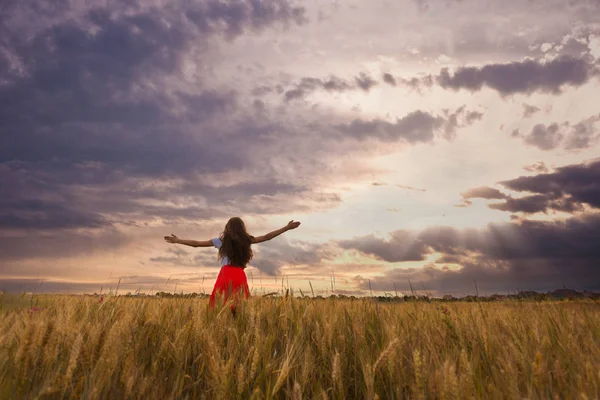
x=193, y=243
x=291, y=225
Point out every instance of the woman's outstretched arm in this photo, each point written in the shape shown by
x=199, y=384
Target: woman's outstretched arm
x=291, y=225
x=193, y=243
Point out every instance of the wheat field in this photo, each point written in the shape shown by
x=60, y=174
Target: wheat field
x=64, y=347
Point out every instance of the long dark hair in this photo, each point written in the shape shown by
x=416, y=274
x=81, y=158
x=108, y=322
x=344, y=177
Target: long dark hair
x=235, y=243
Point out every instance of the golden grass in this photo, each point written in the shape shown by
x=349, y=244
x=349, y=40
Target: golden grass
x=156, y=348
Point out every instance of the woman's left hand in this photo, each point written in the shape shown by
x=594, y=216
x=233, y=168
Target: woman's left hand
x=293, y=225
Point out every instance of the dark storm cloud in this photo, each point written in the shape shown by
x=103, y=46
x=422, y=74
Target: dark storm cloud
x=72, y=78
x=537, y=203
x=523, y=254
x=39, y=214
x=529, y=254
x=85, y=106
x=308, y=85
x=416, y=127
x=567, y=188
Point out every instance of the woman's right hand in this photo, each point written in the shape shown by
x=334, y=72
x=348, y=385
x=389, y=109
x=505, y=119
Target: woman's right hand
x=172, y=239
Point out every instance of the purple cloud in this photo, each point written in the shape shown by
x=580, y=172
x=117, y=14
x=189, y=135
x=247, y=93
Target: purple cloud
x=533, y=255
x=309, y=85
x=415, y=127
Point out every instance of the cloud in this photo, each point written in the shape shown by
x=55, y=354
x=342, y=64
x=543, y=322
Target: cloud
x=504, y=256
x=309, y=85
x=535, y=204
x=274, y=255
x=22, y=285
x=81, y=93
x=538, y=167
x=84, y=70
x=365, y=82
x=237, y=17
x=176, y=256
x=415, y=127
x=519, y=76
x=103, y=129
x=411, y=188
x=71, y=79
x=389, y=79
x=128, y=117
x=545, y=137
x=100, y=121
x=484, y=37
x=147, y=284
x=583, y=134
x=483, y=192
x=417, y=83
x=402, y=246
x=568, y=189
x=39, y=214
x=529, y=110
x=39, y=244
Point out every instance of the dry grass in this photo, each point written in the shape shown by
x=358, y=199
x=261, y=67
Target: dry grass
x=153, y=348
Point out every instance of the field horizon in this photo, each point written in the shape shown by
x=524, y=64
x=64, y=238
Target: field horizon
x=555, y=294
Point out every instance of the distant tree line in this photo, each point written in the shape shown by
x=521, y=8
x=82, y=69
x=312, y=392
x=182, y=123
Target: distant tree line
x=559, y=294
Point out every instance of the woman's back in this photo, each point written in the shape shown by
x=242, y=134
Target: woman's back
x=235, y=252
x=234, y=244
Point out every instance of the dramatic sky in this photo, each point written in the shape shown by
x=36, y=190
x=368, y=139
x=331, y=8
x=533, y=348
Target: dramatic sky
x=441, y=144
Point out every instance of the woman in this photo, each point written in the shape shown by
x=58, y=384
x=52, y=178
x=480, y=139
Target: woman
x=234, y=253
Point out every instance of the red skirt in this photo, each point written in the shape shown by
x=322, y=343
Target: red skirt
x=231, y=283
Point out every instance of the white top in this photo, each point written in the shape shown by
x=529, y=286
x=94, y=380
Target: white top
x=217, y=243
